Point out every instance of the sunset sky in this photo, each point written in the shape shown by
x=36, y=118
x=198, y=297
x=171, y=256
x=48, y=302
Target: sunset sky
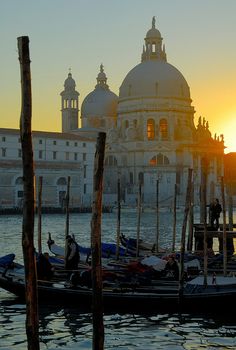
x=81, y=34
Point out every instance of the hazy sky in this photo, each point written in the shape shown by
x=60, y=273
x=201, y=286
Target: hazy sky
x=200, y=39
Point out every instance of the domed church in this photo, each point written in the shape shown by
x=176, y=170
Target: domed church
x=150, y=129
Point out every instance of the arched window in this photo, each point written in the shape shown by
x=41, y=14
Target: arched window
x=150, y=129
x=111, y=161
x=159, y=159
x=19, y=181
x=163, y=129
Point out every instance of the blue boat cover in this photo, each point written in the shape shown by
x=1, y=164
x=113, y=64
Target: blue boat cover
x=7, y=260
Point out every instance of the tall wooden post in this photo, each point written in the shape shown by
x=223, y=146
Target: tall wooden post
x=118, y=221
x=230, y=207
x=97, y=301
x=174, y=219
x=183, y=235
x=32, y=323
x=67, y=227
x=224, y=227
x=203, y=196
x=190, y=222
x=139, y=217
x=40, y=214
x=157, y=217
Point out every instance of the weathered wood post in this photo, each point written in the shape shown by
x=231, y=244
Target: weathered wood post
x=203, y=196
x=174, y=219
x=224, y=227
x=230, y=207
x=183, y=235
x=67, y=227
x=139, y=217
x=97, y=300
x=157, y=217
x=118, y=221
x=32, y=322
x=190, y=221
x=40, y=185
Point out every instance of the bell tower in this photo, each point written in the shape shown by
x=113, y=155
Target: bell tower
x=69, y=105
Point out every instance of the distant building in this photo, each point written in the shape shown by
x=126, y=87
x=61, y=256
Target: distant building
x=151, y=136
x=56, y=156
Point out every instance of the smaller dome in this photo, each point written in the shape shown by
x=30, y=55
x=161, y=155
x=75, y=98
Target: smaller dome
x=69, y=82
x=101, y=102
x=153, y=33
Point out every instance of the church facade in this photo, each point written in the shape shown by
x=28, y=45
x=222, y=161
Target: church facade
x=151, y=134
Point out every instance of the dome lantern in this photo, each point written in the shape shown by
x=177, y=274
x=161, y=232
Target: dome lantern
x=153, y=49
x=102, y=79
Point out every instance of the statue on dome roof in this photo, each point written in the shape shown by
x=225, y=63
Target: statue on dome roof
x=153, y=22
x=101, y=68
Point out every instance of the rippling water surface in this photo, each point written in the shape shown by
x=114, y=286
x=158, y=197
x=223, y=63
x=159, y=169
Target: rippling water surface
x=66, y=328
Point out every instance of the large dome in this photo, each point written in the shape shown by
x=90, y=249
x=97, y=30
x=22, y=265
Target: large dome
x=99, y=103
x=154, y=78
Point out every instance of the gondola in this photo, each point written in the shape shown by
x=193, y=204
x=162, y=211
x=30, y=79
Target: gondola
x=219, y=294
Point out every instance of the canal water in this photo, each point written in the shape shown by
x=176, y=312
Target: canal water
x=68, y=328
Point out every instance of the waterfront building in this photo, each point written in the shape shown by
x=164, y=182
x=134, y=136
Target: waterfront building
x=151, y=135
x=57, y=156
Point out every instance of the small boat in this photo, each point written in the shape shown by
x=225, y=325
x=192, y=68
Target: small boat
x=219, y=294
x=108, y=250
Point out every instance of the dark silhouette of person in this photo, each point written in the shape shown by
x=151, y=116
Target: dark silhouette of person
x=215, y=210
x=45, y=269
x=172, y=268
x=72, y=256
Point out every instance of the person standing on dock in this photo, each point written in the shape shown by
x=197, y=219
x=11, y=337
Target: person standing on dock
x=215, y=210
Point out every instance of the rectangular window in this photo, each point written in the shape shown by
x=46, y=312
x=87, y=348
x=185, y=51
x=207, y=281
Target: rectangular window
x=84, y=144
x=3, y=139
x=20, y=194
x=85, y=188
x=76, y=144
x=40, y=142
x=54, y=155
x=67, y=143
x=40, y=154
x=54, y=142
x=85, y=168
x=84, y=156
x=75, y=156
x=19, y=153
x=131, y=178
x=67, y=155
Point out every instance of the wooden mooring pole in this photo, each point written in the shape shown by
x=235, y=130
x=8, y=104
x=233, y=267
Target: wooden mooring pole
x=67, y=227
x=190, y=221
x=174, y=219
x=224, y=227
x=204, y=218
x=97, y=300
x=183, y=235
x=118, y=221
x=32, y=322
x=40, y=214
x=157, y=218
x=139, y=217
